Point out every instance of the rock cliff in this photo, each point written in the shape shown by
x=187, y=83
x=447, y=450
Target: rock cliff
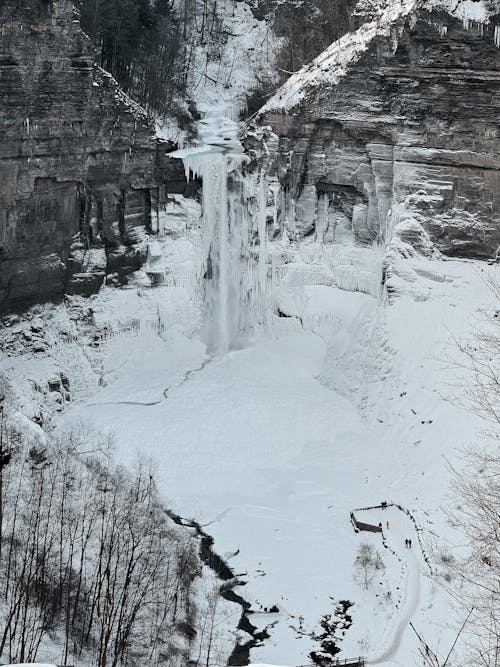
x=81, y=171
x=395, y=127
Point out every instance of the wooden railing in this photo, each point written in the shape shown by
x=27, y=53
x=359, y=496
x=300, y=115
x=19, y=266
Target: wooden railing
x=346, y=662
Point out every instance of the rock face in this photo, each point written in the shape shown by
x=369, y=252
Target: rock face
x=395, y=127
x=81, y=171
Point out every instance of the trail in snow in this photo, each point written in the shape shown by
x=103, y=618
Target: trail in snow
x=407, y=612
x=400, y=528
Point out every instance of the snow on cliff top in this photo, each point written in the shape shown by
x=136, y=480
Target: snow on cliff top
x=331, y=65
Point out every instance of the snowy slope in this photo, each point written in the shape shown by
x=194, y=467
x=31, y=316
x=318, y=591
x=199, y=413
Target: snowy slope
x=272, y=445
x=333, y=64
x=340, y=403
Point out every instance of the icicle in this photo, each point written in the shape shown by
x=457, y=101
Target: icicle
x=224, y=333
x=497, y=36
x=326, y=212
x=284, y=217
x=187, y=170
x=273, y=270
x=322, y=218
x=293, y=216
x=262, y=232
x=276, y=192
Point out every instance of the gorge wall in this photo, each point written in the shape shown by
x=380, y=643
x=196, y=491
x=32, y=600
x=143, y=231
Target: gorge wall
x=399, y=118
x=81, y=171
x=395, y=126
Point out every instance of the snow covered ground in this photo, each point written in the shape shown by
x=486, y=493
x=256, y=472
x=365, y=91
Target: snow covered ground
x=339, y=405
x=272, y=445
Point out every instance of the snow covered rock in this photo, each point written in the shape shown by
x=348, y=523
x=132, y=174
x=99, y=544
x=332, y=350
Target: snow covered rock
x=402, y=112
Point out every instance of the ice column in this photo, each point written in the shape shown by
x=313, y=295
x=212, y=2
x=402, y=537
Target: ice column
x=211, y=167
x=262, y=232
x=234, y=269
x=223, y=238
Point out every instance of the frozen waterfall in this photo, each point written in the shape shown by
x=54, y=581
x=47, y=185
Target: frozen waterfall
x=257, y=253
x=234, y=270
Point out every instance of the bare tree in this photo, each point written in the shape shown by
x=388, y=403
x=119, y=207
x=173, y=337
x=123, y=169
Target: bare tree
x=475, y=583
x=91, y=556
x=429, y=657
x=476, y=576
x=367, y=564
x=479, y=360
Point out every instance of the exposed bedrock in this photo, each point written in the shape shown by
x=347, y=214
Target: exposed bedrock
x=409, y=126
x=82, y=174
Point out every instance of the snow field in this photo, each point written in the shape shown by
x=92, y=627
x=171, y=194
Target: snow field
x=340, y=403
x=273, y=444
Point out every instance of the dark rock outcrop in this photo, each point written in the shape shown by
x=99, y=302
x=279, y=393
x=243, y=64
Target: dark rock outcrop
x=398, y=125
x=81, y=170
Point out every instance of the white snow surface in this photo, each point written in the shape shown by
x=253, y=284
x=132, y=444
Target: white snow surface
x=341, y=404
x=338, y=405
x=271, y=445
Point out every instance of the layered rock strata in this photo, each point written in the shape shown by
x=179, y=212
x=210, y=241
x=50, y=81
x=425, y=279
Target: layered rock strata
x=395, y=127
x=81, y=171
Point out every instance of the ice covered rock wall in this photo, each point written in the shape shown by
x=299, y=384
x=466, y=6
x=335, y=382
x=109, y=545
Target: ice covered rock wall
x=402, y=117
x=81, y=171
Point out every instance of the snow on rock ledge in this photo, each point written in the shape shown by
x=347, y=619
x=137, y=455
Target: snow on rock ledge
x=402, y=112
x=331, y=65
